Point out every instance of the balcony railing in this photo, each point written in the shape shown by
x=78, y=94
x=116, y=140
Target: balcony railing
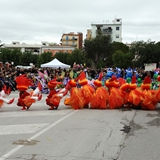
x=106, y=31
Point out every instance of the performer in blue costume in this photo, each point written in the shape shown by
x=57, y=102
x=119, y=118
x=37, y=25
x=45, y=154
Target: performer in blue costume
x=109, y=73
x=129, y=73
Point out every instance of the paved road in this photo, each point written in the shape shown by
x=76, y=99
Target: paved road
x=66, y=134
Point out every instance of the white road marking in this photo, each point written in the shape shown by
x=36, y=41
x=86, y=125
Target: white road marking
x=33, y=113
x=35, y=136
x=21, y=128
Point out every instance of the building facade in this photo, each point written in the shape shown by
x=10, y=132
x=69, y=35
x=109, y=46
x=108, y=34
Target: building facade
x=34, y=48
x=72, y=39
x=57, y=48
x=113, y=29
x=40, y=48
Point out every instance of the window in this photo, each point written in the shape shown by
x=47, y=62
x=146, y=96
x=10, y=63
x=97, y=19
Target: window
x=66, y=43
x=117, y=35
x=117, y=28
x=66, y=37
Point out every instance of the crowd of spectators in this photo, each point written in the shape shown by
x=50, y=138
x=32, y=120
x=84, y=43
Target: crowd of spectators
x=8, y=74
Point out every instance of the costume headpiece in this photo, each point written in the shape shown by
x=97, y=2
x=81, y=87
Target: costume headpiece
x=133, y=84
x=52, y=84
x=23, y=82
x=82, y=79
x=98, y=82
x=146, y=83
x=112, y=82
x=130, y=85
x=72, y=83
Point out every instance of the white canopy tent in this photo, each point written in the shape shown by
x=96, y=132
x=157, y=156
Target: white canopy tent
x=55, y=63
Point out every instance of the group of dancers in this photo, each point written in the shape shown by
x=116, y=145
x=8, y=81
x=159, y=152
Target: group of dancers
x=116, y=93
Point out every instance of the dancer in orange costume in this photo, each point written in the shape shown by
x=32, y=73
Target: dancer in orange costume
x=149, y=102
x=135, y=96
x=127, y=90
x=86, y=90
x=54, y=96
x=101, y=96
x=5, y=92
x=75, y=100
x=116, y=99
x=26, y=99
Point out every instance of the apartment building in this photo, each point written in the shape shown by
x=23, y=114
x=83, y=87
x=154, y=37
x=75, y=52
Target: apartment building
x=34, y=48
x=40, y=48
x=72, y=39
x=57, y=48
x=113, y=29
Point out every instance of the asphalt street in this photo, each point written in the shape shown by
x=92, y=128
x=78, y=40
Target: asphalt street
x=66, y=134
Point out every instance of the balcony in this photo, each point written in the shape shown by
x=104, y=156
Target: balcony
x=106, y=31
x=73, y=39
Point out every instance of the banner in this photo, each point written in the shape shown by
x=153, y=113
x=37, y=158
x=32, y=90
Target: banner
x=150, y=66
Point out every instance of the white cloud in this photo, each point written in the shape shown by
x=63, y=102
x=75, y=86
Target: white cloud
x=35, y=21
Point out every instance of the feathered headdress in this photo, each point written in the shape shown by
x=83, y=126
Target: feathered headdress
x=98, y=82
x=146, y=83
x=133, y=84
x=23, y=82
x=82, y=79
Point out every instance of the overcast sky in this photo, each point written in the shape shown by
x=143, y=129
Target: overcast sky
x=34, y=21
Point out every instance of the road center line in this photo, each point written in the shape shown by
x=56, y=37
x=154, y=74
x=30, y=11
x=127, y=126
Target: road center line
x=35, y=136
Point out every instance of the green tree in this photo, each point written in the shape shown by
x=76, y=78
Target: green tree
x=97, y=49
x=119, y=46
x=44, y=58
x=26, y=58
x=34, y=59
x=11, y=55
x=16, y=56
x=146, y=52
x=78, y=57
x=122, y=60
x=61, y=56
x=69, y=58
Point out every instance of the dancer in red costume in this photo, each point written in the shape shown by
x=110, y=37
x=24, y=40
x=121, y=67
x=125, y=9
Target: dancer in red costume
x=5, y=92
x=26, y=99
x=101, y=95
x=54, y=96
x=75, y=100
